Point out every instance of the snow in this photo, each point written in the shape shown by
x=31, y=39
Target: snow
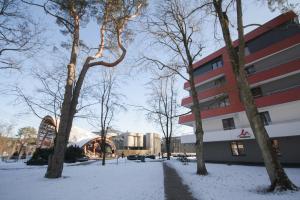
x=233, y=182
x=125, y=180
x=79, y=136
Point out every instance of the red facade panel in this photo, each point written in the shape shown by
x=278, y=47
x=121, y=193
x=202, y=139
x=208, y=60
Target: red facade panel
x=275, y=72
x=230, y=86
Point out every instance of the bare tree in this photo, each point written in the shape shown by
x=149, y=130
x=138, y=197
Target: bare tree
x=278, y=178
x=113, y=17
x=163, y=107
x=178, y=32
x=18, y=33
x=48, y=94
x=110, y=102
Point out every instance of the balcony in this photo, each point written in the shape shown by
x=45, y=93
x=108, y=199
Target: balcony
x=272, y=98
x=272, y=49
x=283, y=57
x=189, y=119
x=276, y=86
x=279, y=96
x=205, y=95
x=209, y=76
x=275, y=73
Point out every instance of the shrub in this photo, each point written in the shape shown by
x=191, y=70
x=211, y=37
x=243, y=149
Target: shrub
x=40, y=157
x=73, y=153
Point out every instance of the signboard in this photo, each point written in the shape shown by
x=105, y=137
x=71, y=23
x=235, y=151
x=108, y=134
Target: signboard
x=244, y=134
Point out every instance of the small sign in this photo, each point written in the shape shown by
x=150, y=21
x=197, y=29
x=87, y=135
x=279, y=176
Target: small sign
x=244, y=134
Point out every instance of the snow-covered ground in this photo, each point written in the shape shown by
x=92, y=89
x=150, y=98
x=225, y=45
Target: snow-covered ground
x=127, y=180
x=233, y=182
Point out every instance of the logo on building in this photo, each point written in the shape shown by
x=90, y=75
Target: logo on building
x=244, y=134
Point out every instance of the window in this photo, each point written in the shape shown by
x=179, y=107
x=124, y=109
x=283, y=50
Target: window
x=256, y=92
x=220, y=81
x=250, y=70
x=295, y=20
x=228, y=124
x=265, y=117
x=237, y=149
x=207, y=67
x=224, y=102
x=216, y=103
x=275, y=145
x=247, y=51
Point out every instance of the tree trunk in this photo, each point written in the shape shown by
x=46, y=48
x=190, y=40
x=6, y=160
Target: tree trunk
x=168, y=148
x=277, y=175
x=278, y=178
x=201, y=168
x=56, y=160
x=103, y=146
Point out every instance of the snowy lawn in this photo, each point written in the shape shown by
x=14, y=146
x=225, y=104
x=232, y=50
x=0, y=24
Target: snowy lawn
x=233, y=182
x=127, y=180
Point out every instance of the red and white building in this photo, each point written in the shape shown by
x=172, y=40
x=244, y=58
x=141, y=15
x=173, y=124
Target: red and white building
x=273, y=68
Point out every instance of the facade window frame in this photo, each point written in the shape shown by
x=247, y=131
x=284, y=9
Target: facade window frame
x=275, y=146
x=250, y=70
x=256, y=92
x=228, y=123
x=237, y=148
x=265, y=117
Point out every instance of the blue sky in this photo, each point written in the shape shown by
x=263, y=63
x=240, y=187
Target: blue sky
x=132, y=86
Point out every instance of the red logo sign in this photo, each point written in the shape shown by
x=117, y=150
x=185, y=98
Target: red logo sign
x=244, y=134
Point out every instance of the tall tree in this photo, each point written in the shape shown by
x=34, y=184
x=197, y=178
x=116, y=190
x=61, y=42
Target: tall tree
x=109, y=101
x=26, y=135
x=113, y=17
x=278, y=178
x=18, y=33
x=6, y=134
x=178, y=32
x=163, y=107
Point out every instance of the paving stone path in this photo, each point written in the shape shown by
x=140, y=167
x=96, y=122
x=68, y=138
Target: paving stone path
x=174, y=188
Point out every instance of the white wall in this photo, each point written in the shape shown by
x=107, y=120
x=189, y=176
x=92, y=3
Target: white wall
x=285, y=122
x=274, y=130
x=279, y=113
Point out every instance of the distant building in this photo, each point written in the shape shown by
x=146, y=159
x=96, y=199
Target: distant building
x=272, y=57
x=177, y=147
x=116, y=141
x=153, y=143
x=133, y=141
x=138, y=143
x=88, y=141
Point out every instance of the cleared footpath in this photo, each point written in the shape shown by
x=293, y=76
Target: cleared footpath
x=174, y=188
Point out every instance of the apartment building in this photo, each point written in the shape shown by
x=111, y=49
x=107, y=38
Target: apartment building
x=273, y=69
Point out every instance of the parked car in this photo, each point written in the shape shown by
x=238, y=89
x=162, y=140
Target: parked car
x=83, y=159
x=150, y=156
x=132, y=157
x=135, y=157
